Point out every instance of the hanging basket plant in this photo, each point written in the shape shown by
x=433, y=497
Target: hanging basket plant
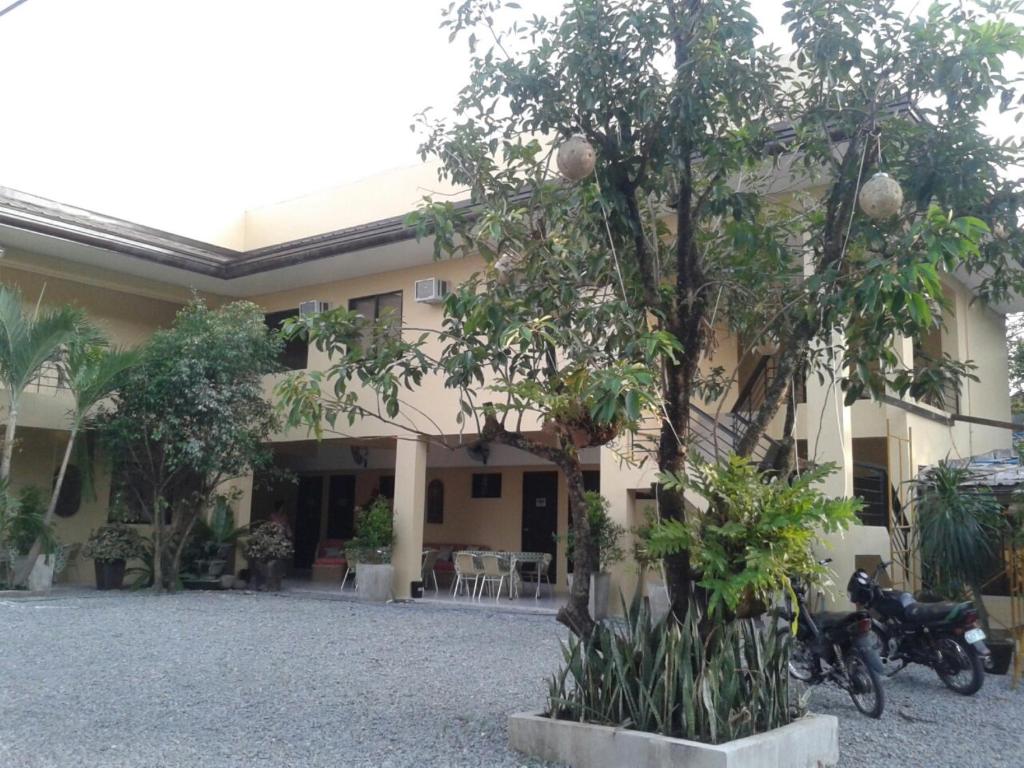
x=576, y=158
x=881, y=197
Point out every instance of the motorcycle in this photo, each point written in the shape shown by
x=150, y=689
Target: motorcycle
x=944, y=636
x=834, y=647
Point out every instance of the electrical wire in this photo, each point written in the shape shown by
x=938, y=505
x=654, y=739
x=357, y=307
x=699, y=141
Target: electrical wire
x=12, y=6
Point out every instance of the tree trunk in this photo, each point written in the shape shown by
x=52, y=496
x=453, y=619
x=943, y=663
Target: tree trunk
x=51, y=509
x=174, y=567
x=575, y=614
x=158, y=543
x=672, y=456
x=777, y=389
x=8, y=454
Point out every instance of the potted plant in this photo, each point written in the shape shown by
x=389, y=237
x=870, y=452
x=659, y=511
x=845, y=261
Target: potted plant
x=267, y=548
x=606, y=535
x=110, y=547
x=215, y=539
x=958, y=530
x=371, y=546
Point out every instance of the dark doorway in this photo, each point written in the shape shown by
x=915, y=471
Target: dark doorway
x=307, y=520
x=540, y=514
x=341, y=507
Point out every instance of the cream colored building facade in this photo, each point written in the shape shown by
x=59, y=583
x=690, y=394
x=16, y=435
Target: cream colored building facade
x=350, y=244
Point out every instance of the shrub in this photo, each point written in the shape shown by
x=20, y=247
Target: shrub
x=23, y=520
x=267, y=542
x=667, y=678
x=375, y=532
x=604, y=532
x=113, y=542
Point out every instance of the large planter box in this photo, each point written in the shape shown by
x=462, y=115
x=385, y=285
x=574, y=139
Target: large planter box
x=373, y=582
x=810, y=742
x=40, y=578
x=600, y=588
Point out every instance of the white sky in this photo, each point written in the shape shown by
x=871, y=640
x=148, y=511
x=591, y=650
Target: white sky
x=183, y=113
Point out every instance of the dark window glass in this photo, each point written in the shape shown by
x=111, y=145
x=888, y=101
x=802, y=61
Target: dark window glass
x=387, y=486
x=487, y=485
x=295, y=353
x=385, y=307
x=592, y=480
x=435, y=502
x=341, y=505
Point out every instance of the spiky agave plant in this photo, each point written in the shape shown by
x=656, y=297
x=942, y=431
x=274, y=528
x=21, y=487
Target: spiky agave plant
x=677, y=679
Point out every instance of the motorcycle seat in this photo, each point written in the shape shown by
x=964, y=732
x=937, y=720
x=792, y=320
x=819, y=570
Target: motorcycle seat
x=928, y=613
x=831, y=618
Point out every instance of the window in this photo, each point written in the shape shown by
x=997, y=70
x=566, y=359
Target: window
x=486, y=485
x=435, y=502
x=295, y=353
x=386, y=486
x=385, y=307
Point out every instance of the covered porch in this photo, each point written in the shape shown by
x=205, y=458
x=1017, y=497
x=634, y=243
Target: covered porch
x=447, y=498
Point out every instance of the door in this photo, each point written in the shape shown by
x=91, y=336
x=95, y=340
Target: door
x=341, y=507
x=307, y=520
x=540, y=514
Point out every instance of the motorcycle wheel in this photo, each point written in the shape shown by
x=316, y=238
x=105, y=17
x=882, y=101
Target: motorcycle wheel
x=803, y=665
x=865, y=686
x=960, y=668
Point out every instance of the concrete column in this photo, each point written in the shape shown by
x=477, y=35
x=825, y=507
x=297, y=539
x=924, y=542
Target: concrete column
x=615, y=484
x=410, y=503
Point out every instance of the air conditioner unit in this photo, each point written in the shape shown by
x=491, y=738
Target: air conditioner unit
x=312, y=308
x=430, y=291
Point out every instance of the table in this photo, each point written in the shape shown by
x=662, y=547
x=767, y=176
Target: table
x=515, y=560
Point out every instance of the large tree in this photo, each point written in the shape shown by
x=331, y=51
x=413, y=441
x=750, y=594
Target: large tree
x=538, y=353
x=190, y=416
x=728, y=175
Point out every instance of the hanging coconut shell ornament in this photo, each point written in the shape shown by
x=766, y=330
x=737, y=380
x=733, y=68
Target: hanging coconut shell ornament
x=881, y=197
x=575, y=158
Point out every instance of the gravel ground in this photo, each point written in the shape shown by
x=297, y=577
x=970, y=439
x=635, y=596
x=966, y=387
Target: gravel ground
x=926, y=725
x=209, y=680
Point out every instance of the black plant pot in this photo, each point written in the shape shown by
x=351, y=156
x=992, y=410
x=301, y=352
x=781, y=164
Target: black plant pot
x=1002, y=655
x=269, y=575
x=109, y=574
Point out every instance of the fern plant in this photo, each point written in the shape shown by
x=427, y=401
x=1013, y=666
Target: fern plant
x=755, y=535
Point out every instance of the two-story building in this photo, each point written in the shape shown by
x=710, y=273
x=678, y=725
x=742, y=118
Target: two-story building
x=348, y=247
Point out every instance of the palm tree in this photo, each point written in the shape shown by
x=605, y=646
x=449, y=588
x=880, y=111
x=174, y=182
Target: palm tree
x=28, y=343
x=92, y=372
x=957, y=529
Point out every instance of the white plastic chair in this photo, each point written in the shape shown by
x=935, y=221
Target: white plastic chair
x=467, y=569
x=496, y=571
x=543, y=567
x=427, y=567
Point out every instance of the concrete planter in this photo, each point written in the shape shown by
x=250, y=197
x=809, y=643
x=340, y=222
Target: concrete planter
x=373, y=582
x=810, y=742
x=40, y=578
x=600, y=587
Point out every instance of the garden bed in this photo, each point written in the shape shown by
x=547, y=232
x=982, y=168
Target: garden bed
x=810, y=742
